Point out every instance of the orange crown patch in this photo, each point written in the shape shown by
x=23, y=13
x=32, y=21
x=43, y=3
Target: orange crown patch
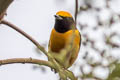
x=64, y=14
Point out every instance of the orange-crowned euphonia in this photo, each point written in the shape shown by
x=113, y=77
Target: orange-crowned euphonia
x=61, y=37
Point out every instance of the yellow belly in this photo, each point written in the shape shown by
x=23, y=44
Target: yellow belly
x=59, y=41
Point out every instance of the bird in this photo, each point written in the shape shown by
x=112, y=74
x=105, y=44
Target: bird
x=65, y=39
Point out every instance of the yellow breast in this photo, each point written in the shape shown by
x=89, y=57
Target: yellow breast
x=59, y=40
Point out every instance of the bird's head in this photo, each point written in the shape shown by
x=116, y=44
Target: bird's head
x=63, y=21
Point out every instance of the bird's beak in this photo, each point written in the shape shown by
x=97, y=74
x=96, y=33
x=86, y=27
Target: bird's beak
x=58, y=17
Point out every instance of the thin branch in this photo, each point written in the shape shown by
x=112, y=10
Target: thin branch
x=70, y=75
x=39, y=62
x=24, y=34
x=26, y=60
x=76, y=10
x=20, y=31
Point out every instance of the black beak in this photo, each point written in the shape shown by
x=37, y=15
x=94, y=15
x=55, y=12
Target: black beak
x=58, y=17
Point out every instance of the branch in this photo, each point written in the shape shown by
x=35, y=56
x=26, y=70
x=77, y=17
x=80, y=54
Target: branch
x=26, y=60
x=39, y=62
x=24, y=34
x=76, y=10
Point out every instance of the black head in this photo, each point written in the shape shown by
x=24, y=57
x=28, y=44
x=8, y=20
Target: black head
x=63, y=24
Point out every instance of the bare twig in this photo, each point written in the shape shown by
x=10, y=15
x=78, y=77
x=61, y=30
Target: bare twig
x=26, y=60
x=20, y=31
x=25, y=34
x=76, y=10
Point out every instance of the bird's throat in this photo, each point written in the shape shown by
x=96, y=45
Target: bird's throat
x=61, y=27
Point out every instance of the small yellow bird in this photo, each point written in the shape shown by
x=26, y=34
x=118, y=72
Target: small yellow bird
x=61, y=37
